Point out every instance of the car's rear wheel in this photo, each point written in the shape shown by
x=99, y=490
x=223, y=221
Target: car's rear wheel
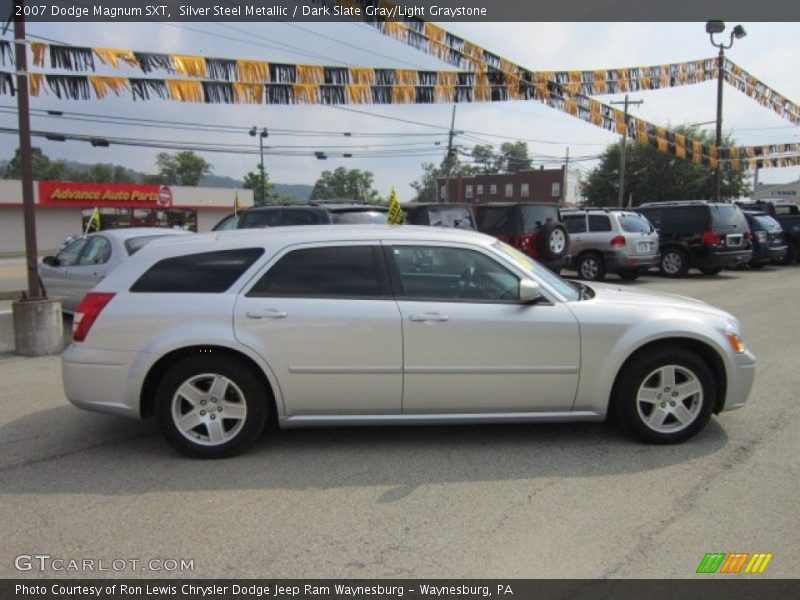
x=591, y=267
x=629, y=275
x=710, y=270
x=664, y=396
x=211, y=406
x=674, y=262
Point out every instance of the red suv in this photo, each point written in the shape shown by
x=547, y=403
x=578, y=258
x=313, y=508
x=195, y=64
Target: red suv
x=533, y=228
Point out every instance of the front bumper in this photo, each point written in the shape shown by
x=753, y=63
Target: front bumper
x=740, y=380
x=106, y=381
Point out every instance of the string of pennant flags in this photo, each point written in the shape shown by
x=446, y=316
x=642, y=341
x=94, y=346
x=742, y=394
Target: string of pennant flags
x=485, y=77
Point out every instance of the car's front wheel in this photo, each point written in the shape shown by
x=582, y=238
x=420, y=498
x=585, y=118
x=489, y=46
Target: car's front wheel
x=664, y=396
x=211, y=406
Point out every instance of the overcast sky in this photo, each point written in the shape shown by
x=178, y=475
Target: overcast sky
x=770, y=52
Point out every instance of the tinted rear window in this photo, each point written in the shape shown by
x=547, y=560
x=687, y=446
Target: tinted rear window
x=208, y=272
x=599, y=223
x=496, y=219
x=260, y=218
x=360, y=216
x=727, y=217
x=341, y=271
x=634, y=223
x=575, y=223
x=533, y=217
x=766, y=222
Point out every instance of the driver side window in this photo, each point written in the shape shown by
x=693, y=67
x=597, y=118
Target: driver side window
x=442, y=273
x=69, y=254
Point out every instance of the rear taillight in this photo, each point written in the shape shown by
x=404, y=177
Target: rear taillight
x=527, y=243
x=618, y=240
x=711, y=238
x=88, y=311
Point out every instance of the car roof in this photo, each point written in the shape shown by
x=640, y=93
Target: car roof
x=299, y=234
x=132, y=232
x=353, y=207
x=508, y=204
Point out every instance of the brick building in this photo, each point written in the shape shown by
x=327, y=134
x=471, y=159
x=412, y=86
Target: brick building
x=537, y=185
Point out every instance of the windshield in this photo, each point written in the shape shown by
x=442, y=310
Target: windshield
x=134, y=244
x=360, y=216
x=539, y=272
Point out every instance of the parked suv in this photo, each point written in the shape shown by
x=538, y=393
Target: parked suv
x=302, y=214
x=769, y=246
x=533, y=228
x=708, y=236
x=457, y=216
x=788, y=215
x=610, y=241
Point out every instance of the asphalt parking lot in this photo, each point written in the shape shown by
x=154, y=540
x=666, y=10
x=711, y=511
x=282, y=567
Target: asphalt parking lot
x=485, y=501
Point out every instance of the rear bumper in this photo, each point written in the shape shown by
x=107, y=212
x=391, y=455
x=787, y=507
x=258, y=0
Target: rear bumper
x=711, y=258
x=103, y=381
x=740, y=380
x=769, y=254
x=620, y=261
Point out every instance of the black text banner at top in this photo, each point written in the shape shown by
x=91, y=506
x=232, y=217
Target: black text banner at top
x=482, y=11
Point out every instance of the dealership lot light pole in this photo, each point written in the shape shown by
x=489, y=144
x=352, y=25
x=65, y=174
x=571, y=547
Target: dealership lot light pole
x=713, y=28
x=261, y=135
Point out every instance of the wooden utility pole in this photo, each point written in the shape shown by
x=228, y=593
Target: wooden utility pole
x=451, y=154
x=622, y=148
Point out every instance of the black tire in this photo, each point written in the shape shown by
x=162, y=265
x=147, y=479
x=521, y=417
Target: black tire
x=247, y=389
x=641, y=370
x=629, y=275
x=591, y=267
x=710, y=271
x=553, y=242
x=674, y=262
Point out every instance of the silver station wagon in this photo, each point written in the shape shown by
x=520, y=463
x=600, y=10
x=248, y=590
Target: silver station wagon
x=217, y=334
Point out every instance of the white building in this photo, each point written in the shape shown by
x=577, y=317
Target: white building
x=63, y=208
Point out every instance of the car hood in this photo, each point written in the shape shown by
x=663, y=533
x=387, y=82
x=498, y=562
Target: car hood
x=626, y=296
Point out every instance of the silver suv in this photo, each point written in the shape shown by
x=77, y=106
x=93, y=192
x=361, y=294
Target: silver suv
x=610, y=241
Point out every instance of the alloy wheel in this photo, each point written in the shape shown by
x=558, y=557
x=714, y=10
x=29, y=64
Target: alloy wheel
x=669, y=399
x=209, y=409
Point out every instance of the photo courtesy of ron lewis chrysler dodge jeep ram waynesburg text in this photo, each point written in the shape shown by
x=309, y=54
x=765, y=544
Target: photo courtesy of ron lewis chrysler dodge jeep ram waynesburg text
x=218, y=334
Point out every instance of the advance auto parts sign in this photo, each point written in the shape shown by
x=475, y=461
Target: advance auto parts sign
x=128, y=195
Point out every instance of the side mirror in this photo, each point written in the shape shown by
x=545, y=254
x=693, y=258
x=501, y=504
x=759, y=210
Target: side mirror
x=529, y=291
x=50, y=261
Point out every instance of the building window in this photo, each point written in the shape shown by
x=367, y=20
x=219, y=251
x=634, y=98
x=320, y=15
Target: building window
x=117, y=218
x=523, y=190
x=556, y=193
x=468, y=190
x=493, y=189
x=443, y=192
x=480, y=189
x=509, y=190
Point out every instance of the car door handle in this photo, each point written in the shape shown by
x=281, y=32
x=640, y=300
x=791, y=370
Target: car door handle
x=431, y=317
x=267, y=313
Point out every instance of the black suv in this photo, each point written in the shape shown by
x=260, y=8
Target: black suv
x=533, y=228
x=767, y=238
x=788, y=215
x=453, y=215
x=302, y=214
x=693, y=233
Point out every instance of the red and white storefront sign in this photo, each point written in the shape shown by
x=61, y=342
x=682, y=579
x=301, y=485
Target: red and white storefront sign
x=122, y=195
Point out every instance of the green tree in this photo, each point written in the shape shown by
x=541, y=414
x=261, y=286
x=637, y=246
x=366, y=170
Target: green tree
x=426, y=186
x=513, y=157
x=43, y=167
x=652, y=176
x=263, y=188
x=181, y=168
x=485, y=159
x=353, y=185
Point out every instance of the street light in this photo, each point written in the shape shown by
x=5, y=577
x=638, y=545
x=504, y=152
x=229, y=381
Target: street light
x=261, y=135
x=713, y=28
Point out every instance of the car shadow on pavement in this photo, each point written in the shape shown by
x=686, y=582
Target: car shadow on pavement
x=62, y=450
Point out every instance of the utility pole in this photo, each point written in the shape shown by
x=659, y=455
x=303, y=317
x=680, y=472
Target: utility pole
x=622, y=149
x=451, y=153
x=564, y=180
x=38, y=326
x=25, y=155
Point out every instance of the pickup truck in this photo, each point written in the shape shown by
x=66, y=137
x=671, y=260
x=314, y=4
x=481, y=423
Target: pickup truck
x=788, y=215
